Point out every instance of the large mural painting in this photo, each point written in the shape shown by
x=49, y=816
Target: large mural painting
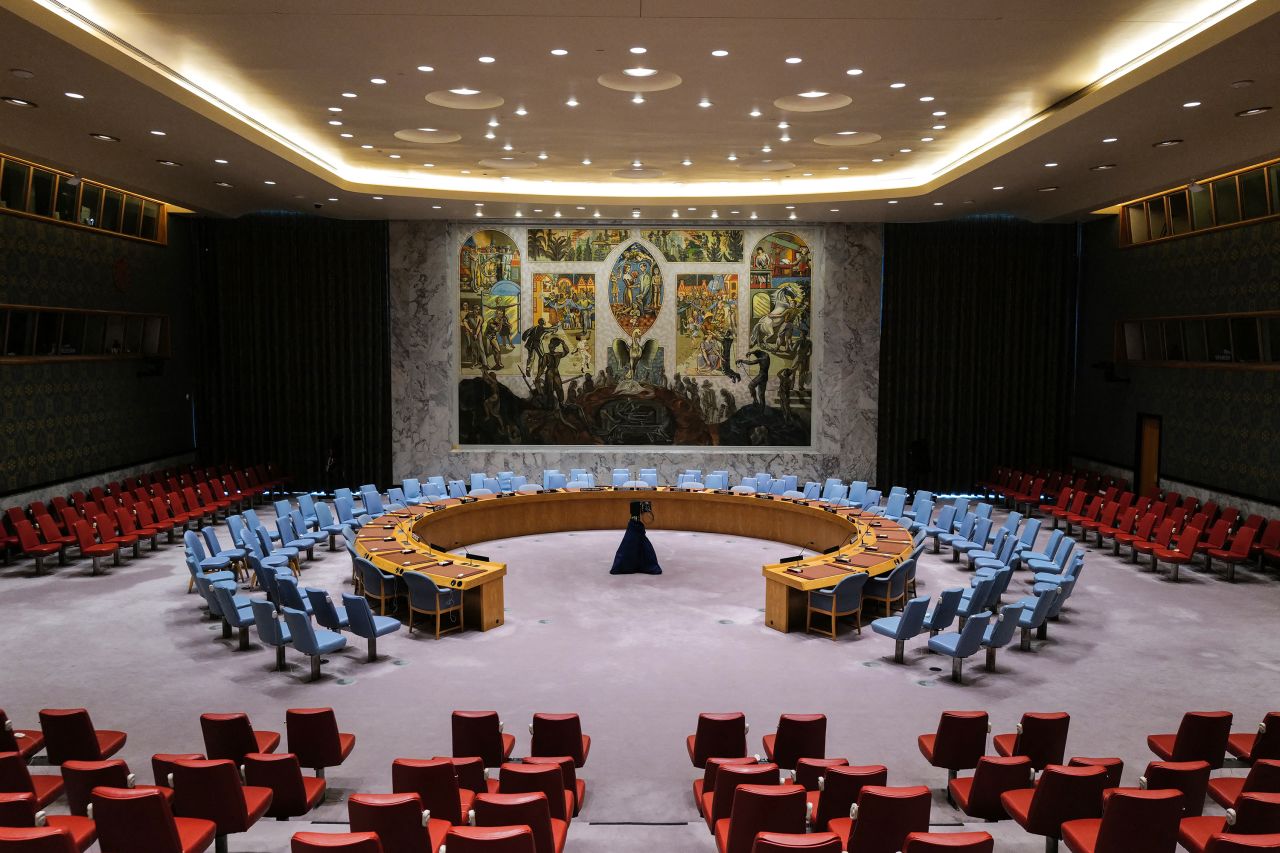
x=489, y=307
x=678, y=358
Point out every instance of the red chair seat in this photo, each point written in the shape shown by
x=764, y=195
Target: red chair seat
x=1240, y=744
x=925, y=742
x=268, y=741
x=843, y=827
x=195, y=834
x=1004, y=743
x=82, y=829
x=1194, y=832
x=347, y=742
x=29, y=742
x=257, y=801
x=1018, y=804
x=46, y=788
x=1225, y=790
x=1162, y=745
x=100, y=549
x=1081, y=836
x=315, y=788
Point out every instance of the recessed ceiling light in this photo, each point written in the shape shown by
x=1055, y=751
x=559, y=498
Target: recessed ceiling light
x=74, y=96
x=926, y=99
x=377, y=198
x=939, y=113
x=637, y=98
x=347, y=135
x=897, y=85
x=1189, y=104
x=350, y=95
x=394, y=156
x=766, y=149
x=733, y=157
x=489, y=134
x=596, y=213
x=521, y=111
x=335, y=122
x=486, y=59
x=789, y=207
x=753, y=215
x=675, y=214
x=1045, y=189
x=586, y=161
x=333, y=199
x=784, y=138
x=813, y=93
x=893, y=201
x=835, y=210
x=572, y=102
x=1102, y=167
x=519, y=214
x=1252, y=111
x=542, y=155
x=926, y=139
x=168, y=163
x=377, y=81
x=719, y=53
x=842, y=168
x=557, y=214
x=877, y=159
x=938, y=204
x=755, y=113
x=1110, y=139
x=559, y=51
x=220, y=162
x=1166, y=143
x=104, y=137
x=1050, y=165
x=506, y=147
x=793, y=215
x=428, y=165
x=715, y=214
x=854, y=72
x=639, y=50
x=426, y=69
x=704, y=103
x=463, y=90
x=939, y=127
x=735, y=212
x=22, y=73
x=793, y=60
x=640, y=72
x=635, y=214
x=1242, y=84
x=635, y=164
x=221, y=184
x=808, y=174
x=270, y=183
x=435, y=207
x=366, y=146
x=335, y=109
x=997, y=188
x=904, y=150
x=493, y=122
x=479, y=213
x=158, y=133
x=686, y=162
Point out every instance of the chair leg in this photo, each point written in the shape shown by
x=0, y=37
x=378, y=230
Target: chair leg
x=1042, y=633
x=62, y=556
x=226, y=629
x=39, y=565
x=244, y=638
x=1050, y=844
x=991, y=660
x=1026, y=640
x=280, y=666
x=220, y=844
x=957, y=670
x=373, y=649
x=899, y=647
x=315, y=668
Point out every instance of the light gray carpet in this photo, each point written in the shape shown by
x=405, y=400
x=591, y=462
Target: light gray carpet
x=638, y=657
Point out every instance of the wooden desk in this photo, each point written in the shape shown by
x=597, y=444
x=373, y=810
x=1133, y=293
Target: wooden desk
x=418, y=538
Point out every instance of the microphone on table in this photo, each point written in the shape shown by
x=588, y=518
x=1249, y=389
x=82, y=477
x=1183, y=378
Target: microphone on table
x=799, y=556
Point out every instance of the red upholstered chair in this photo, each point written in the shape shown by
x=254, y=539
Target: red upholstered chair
x=760, y=808
x=840, y=788
x=335, y=842
x=780, y=842
x=1179, y=553
x=1218, y=534
x=568, y=773
x=798, y=736
x=435, y=781
x=718, y=735
x=1246, y=746
x=315, y=739
x=292, y=794
x=1061, y=794
x=1263, y=778
x=37, y=839
x=1191, y=778
x=1161, y=540
x=129, y=527
x=949, y=842
x=29, y=542
x=883, y=819
x=529, y=810
x=490, y=839
x=559, y=734
x=960, y=741
x=1202, y=736
x=232, y=736
x=1114, y=767
x=530, y=778
x=16, y=779
x=108, y=531
x=707, y=784
x=717, y=804
x=810, y=770
x=93, y=549
x=162, y=764
x=979, y=795
x=1269, y=538
x=470, y=772
x=1040, y=737
x=1141, y=532
x=1254, y=814
x=1132, y=822
x=398, y=820
x=25, y=742
x=81, y=777
x=211, y=790
x=19, y=811
x=1233, y=843
x=147, y=520
x=480, y=733
x=130, y=820
x=1236, y=555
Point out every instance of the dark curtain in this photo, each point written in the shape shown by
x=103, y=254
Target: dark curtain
x=976, y=351
x=296, y=343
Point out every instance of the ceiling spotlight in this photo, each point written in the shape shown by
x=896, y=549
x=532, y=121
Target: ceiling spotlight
x=1110, y=139
x=842, y=168
x=793, y=60
x=635, y=164
x=221, y=162
x=158, y=133
x=640, y=72
x=904, y=150
x=1241, y=84
x=1190, y=104
x=637, y=98
x=350, y=95
x=557, y=214
x=426, y=69
x=559, y=51
x=377, y=198
x=854, y=72
x=675, y=214
x=586, y=161
x=221, y=184
x=1252, y=111
x=686, y=162
x=366, y=146
x=897, y=85
x=926, y=99
x=813, y=93
x=635, y=213
x=347, y=135
x=428, y=165
x=521, y=111
x=506, y=147
x=479, y=213
x=1166, y=143
x=489, y=134
x=939, y=127
x=733, y=157
x=596, y=214
x=168, y=163
x=463, y=90
x=784, y=138
x=377, y=81
x=104, y=137
x=335, y=109
x=938, y=203
x=765, y=150
x=542, y=155
x=793, y=215
x=997, y=189
x=493, y=122
x=435, y=207
x=270, y=183
x=704, y=103
x=519, y=214
x=486, y=59
x=1045, y=189
x=755, y=113
x=572, y=102
x=715, y=214
x=939, y=113
x=74, y=96
x=835, y=210
x=877, y=159
x=639, y=50
x=753, y=215
x=335, y=122
x=808, y=174
x=893, y=201
x=719, y=53
x=1102, y=167
x=1050, y=165
x=926, y=139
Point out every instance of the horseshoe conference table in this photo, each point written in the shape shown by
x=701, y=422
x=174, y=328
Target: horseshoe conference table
x=426, y=539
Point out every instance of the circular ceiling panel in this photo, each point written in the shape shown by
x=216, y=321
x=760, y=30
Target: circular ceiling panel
x=476, y=100
x=638, y=174
x=767, y=166
x=427, y=135
x=847, y=138
x=658, y=81
x=507, y=163
x=818, y=103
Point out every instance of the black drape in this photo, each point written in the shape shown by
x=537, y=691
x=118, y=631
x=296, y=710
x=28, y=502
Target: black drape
x=296, y=343
x=976, y=350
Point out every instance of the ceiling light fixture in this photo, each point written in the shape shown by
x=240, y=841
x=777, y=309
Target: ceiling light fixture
x=377, y=198
x=335, y=122
x=493, y=122
x=366, y=146
x=794, y=60
x=732, y=157
x=220, y=162
x=686, y=162
x=904, y=150
x=753, y=215
x=1252, y=111
x=394, y=156
x=158, y=133
x=76, y=96
x=486, y=59
x=1050, y=165
x=221, y=184
x=435, y=207
x=755, y=113
x=572, y=102
x=542, y=155
x=1191, y=104
x=489, y=134
x=335, y=109
x=426, y=69
x=521, y=111
x=1102, y=167
x=1045, y=189
x=842, y=168
x=507, y=147
x=719, y=53
x=640, y=72
x=1111, y=139
x=877, y=159
x=1166, y=143
x=939, y=127
x=464, y=91
x=557, y=214
x=893, y=201
x=168, y=163
x=997, y=189
x=765, y=150
x=939, y=113
x=639, y=50
x=104, y=137
x=715, y=214
x=704, y=103
x=270, y=183
x=347, y=135
x=926, y=99
x=675, y=214
x=559, y=51
x=926, y=139
x=854, y=72
x=586, y=161
x=897, y=85
x=377, y=81
x=350, y=95
x=813, y=93
x=938, y=203
x=637, y=98
x=519, y=214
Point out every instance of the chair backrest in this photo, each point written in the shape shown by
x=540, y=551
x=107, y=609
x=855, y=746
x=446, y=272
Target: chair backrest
x=840, y=787
x=37, y=839
x=423, y=592
x=896, y=504
x=780, y=842
x=849, y=591
x=129, y=819
x=993, y=776
x=998, y=633
x=799, y=736
x=1257, y=814
x=267, y=622
x=396, y=819
x=1191, y=778
x=949, y=842
x=1202, y=735
x=345, y=508
x=719, y=736
x=335, y=842
x=359, y=615
x=944, y=612
x=14, y=776
x=764, y=808
x=301, y=632
x=650, y=476
x=313, y=736
x=211, y=789
x=730, y=776
x=886, y=815
x=1065, y=793
x=526, y=809
x=619, y=476
x=68, y=735
x=478, y=733
x=516, y=778
x=558, y=734
x=322, y=609
x=1042, y=737
x=228, y=736
x=490, y=839
x=290, y=595
x=434, y=780
x=961, y=739
x=1139, y=821
x=1266, y=744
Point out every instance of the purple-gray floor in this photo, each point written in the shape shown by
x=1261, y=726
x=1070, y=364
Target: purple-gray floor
x=638, y=657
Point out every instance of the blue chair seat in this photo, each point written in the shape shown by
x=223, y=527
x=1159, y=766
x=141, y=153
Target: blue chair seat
x=383, y=625
x=887, y=626
x=329, y=641
x=987, y=563
x=1034, y=555
x=221, y=561
x=1041, y=565
x=945, y=644
x=1050, y=578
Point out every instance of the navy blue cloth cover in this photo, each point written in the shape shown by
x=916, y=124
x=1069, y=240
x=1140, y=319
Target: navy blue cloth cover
x=635, y=553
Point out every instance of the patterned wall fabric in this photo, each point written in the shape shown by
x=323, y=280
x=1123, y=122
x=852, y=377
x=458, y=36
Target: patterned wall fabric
x=58, y=420
x=1221, y=428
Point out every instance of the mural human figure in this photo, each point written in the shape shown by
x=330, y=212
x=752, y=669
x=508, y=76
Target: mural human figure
x=472, y=346
x=552, y=385
x=727, y=404
x=532, y=338
x=726, y=357
x=708, y=401
x=493, y=400
x=492, y=349
x=786, y=377
x=759, y=384
x=804, y=353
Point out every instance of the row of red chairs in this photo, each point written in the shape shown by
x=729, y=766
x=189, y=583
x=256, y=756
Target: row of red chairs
x=119, y=516
x=1017, y=486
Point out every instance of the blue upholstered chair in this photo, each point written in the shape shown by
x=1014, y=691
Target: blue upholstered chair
x=528, y=489
x=917, y=518
x=198, y=576
x=271, y=630
x=344, y=493
x=893, y=507
x=794, y=494
x=746, y=486
x=300, y=527
x=396, y=499
x=962, y=531
x=1057, y=563
x=431, y=600
x=1027, y=539
x=506, y=481
x=843, y=599
x=941, y=525
x=1035, y=610
x=290, y=595
x=412, y=490
x=477, y=480
x=857, y=492
x=582, y=475
x=1000, y=632
x=344, y=507
x=372, y=503
x=974, y=599
x=996, y=555
x=812, y=490
x=961, y=644
x=377, y=584
x=717, y=480
x=234, y=614
x=327, y=525
x=435, y=485
x=364, y=623
x=492, y=484
x=290, y=538
x=195, y=548
x=650, y=476
x=265, y=576
x=1010, y=525
x=833, y=492
x=307, y=505
x=1046, y=551
x=917, y=500
x=516, y=482
x=255, y=550
x=252, y=521
x=619, y=476
x=982, y=510
x=457, y=489
x=975, y=541
x=789, y=481
x=367, y=487
x=870, y=499
x=908, y=624
x=891, y=588
x=552, y=475
x=944, y=612
x=235, y=553
x=311, y=641
x=322, y=608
